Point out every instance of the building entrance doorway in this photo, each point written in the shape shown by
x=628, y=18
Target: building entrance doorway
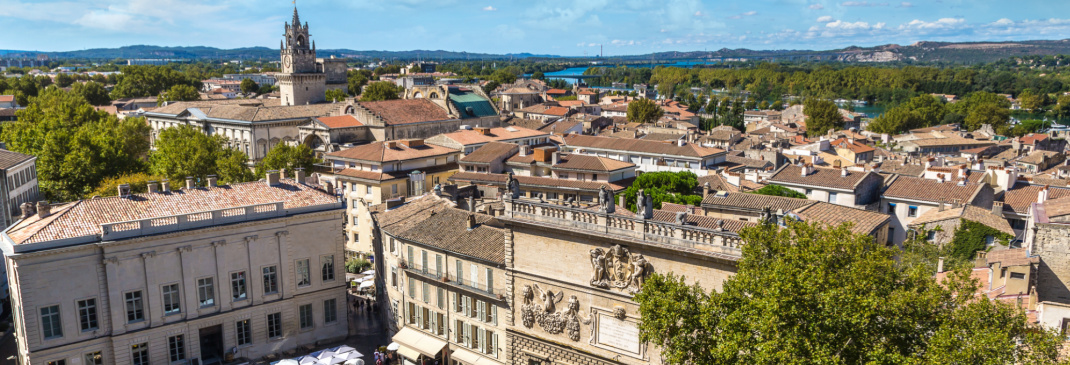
x=212, y=345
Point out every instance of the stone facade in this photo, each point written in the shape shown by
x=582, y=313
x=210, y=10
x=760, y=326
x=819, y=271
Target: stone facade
x=1052, y=244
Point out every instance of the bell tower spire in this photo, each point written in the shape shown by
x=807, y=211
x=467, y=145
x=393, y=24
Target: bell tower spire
x=297, y=19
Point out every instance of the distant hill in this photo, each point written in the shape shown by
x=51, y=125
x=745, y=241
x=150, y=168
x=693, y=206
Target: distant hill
x=961, y=52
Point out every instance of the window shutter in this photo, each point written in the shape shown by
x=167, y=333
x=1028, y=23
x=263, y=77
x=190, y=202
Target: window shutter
x=492, y=314
x=477, y=339
x=493, y=344
x=456, y=302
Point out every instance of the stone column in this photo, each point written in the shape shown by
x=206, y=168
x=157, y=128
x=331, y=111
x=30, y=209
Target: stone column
x=117, y=304
x=253, y=288
x=152, y=308
x=284, y=264
x=189, y=283
x=225, y=298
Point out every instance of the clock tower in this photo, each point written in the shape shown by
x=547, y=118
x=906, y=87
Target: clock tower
x=301, y=81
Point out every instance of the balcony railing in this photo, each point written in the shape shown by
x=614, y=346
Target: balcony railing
x=445, y=277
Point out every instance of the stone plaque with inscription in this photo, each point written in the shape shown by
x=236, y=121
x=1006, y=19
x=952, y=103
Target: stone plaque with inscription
x=616, y=333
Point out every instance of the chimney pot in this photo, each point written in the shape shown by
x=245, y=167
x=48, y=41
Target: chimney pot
x=300, y=175
x=43, y=209
x=153, y=187
x=190, y=183
x=272, y=178
x=471, y=221
x=165, y=186
x=212, y=180
x=124, y=190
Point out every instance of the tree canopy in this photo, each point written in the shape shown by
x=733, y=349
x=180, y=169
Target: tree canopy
x=284, y=156
x=810, y=294
x=777, y=190
x=93, y=92
x=179, y=93
x=138, y=81
x=664, y=186
x=381, y=90
x=76, y=146
x=644, y=111
x=822, y=116
x=186, y=151
x=248, y=86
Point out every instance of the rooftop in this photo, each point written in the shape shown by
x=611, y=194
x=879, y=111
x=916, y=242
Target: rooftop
x=472, y=136
x=406, y=111
x=381, y=152
x=489, y=152
x=823, y=177
x=341, y=121
x=917, y=188
x=641, y=146
x=967, y=212
x=435, y=222
x=590, y=163
x=9, y=159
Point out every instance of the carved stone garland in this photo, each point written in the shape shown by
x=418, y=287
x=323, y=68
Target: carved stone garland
x=547, y=316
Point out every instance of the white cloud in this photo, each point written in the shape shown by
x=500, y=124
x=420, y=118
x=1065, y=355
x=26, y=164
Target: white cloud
x=839, y=24
x=489, y=8
x=942, y=23
x=825, y=19
x=1004, y=21
x=698, y=13
x=817, y=7
x=750, y=13
x=905, y=5
x=620, y=42
x=862, y=3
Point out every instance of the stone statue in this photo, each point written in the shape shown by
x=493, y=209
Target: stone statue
x=598, y=265
x=514, y=187
x=527, y=309
x=640, y=200
x=638, y=276
x=605, y=199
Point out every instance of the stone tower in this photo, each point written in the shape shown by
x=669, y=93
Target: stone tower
x=301, y=81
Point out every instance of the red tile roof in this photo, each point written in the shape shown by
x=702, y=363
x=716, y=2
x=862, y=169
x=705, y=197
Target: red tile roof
x=556, y=91
x=641, y=146
x=1021, y=196
x=539, y=181
x=341, y=121
x=469, y=137
x=917, y=188
x=406, y=111
x=830, y=178
x=379, y=152
x=590, y=163
x=7, y=98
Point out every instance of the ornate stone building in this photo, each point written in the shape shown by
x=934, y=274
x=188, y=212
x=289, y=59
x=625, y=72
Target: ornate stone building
x=305, y=78
x=177, y=276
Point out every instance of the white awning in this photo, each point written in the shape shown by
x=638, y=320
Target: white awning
x=367, y=284
x=470, y=358
x=418, y=342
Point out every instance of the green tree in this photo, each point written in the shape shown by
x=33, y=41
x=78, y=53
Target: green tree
x=138, y=81
x=138, y=182
x=186, y=151
x=503, y=77
x=538, y=75
x=816, y=295
x=284, y=156
x=76, y=146
x=179, y=93
x=93, y=92
x=64, y=79
x=248, y=86
x=1030, y=101
x=357, y=265
x=356, y=82
x=988, y=113
x=335, y=95
x=822, y=116
x=644, y=111
x=380, y=90
x=266, y=89
x=663, y=186
x=490, y=86
x=777, y=190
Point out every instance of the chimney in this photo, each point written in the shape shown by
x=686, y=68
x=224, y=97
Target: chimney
x=940, y=265
x=680, y=142
x=1042, y=196
x=300, y=175
x=43, y=209
x=412, y=143
x=391, y=144
x=523, y=151
x=272, y=178
x=962, y=181
x=471, y=221
x=190, y=184
x=997, y=208
x=940, y=178
x=153, y=187
x=555, y=158
x=124, y=190
x=165, y=186
x=212, y=180
x=472, y=203
x=705, y=189
x=282, y=173
x=941, y=206
x=620, y=201
x=962, y=171
x=394, y=203
x=843, y=172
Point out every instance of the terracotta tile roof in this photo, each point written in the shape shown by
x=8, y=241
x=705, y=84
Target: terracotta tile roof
x=1037, y=157
x=470, y=137
x=1031, y=138
x=1011, y=257
x=755, y=202
x=897, y=167
x=379, y=176
x=641, y=146
x=853, y=146
x=406, y=111
x=725, y=136
x=84, y=217
x=560, y=126
x=676, y=208
x=7, y=98
x=968, y=212
x=730, y=225
x=823, y=177
x=749, y=162
x=556, y=91
x=9, y=159
x=379, y=152
x=432, y=221
x=527, y=123
x=864, y=221
x=7, y=112
x=929, y=190
x=590, y=163
x=1021, y=196
x=949, y=141
x=341, y=121
x=539, y=181
x=571, y=103
x=176, y=108
x=490, y=152
x=1057, y=207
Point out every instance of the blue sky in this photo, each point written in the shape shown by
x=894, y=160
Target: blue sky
x=561, y=27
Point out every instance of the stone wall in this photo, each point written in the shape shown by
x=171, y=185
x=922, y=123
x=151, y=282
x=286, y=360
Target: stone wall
x=1052, y=244
x=525, y=349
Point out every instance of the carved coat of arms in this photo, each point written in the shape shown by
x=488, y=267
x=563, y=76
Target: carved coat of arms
x=618, y=268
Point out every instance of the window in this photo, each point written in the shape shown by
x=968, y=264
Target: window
x=369, y=190
x=441, y=295
x=832, y=197
x=392, y=248
x=492, y=344
x=271, y=280
x=412, y=288
x=492, y=314
x=412, y=313
x=460, y=271
x=134, y=309
x=304, y=278
x=171, y=303
x=274, y=322
x=440, y=320
x=410, y=255
x=140, y=354
x=305, y=312
x=237, y=285
x=328, y=267
x=481, y=310
x=990, y=240
x=1017, y=275
x=930, y=236
x=330, y=310
x=438, y=265
x=206, y=292
x=394, y=189
x=426, y=291
x=177, y=348
x=912, y=211
x=245, y=336
x=490, y=280
x=423, y=261
x=456, y=302
x=425, y=318
x=476, y=336
x=562, y=175
x=394, y=277
x=87, y=314
x=94, y=358
x=57, y=362
x=809, y=191
x=52, y=328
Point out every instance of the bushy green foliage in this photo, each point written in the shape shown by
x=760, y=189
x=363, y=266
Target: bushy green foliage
x=179, y=93
x=490, y=86
x=777, y=190
x=284, y=156
x=971, y=237
x=138, y=182
x=813, y=294
x=335, y=95
x=186, y=151
x=93, y=92
x=1028, y=126
x=644, y=111
x=76, y=146
x=138, y=81
x=664, y=186
x=381, y=90
x=248, y=86
x=822, y=115
x=357, y=265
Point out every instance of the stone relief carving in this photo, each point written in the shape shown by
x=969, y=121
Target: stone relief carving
x=618, y=269
x=544, y=312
